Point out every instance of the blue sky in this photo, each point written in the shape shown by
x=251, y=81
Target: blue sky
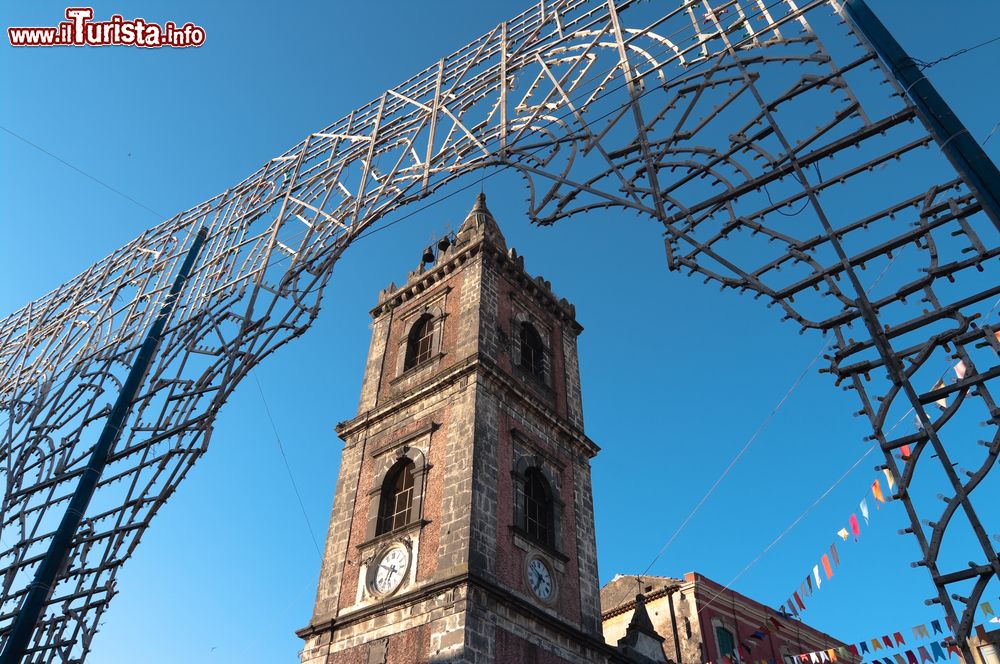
x=676, y=376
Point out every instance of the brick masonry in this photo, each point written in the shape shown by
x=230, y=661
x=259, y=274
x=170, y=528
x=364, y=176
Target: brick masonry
x=471, y=416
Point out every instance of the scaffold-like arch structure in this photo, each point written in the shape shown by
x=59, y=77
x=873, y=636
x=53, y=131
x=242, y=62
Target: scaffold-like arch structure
x=781, y=155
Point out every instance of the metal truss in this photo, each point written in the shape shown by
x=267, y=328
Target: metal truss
x=778, y=153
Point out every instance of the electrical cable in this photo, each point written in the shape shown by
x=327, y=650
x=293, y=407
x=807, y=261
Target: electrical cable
x=83, y=172
x=962, y=51
x=291, y=476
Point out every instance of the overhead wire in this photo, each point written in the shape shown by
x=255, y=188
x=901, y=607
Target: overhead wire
x=288, y=468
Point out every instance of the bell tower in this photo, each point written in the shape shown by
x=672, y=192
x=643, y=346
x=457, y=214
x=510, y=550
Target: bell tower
x=462, y=527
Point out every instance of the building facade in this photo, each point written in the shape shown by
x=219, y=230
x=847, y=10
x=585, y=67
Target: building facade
x=462, y=527
x=701, y=621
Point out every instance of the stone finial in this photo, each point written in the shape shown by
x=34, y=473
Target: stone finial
x=480, y=223
x=641, y=643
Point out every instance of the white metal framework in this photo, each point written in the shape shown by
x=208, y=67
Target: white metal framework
x=766, y=136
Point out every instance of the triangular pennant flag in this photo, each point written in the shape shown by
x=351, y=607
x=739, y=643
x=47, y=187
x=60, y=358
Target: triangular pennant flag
x=876, y=645
x=898, y=638
x=823, y=657
x=952, y=648
x=853, y=650
x=936, y=626
x=791, y=605
x=832, y=654
x=938, y=653
x=816, y=574
x=877, y=492
x=814, y=657
x=843, y=534
x=960, y=369
x=888, y=478
x=826, y=566
x=887, y=641
x=924, y=655
x=842, y=652
x=864, y=647
x=798, y=600
x=943, y=401
x=864, y=509
x=809, y=582
x=899, y=659
x=986, y=609
x=855, y=528
x=920, y=632
x=833, y=555
x=911, y=657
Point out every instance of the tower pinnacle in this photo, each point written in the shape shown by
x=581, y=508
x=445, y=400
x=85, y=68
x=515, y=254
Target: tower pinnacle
x=480, y=221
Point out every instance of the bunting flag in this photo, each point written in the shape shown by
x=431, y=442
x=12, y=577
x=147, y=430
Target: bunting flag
x=877, y=492
x=888, y=478
x=855, y=528
x=943, y=401
x=816, y=574
x=904, y=452
x=931, y=652
x=960, y=369
x=826, y=566
x=843, y=531
x=864, y=509
x=833, y=555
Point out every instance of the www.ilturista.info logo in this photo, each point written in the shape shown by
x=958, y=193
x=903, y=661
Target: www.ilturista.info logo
x=80, y=30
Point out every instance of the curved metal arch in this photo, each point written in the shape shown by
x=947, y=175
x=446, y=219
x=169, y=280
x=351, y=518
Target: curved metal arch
x=588, y=100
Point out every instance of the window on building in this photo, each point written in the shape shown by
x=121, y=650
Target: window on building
x=532, y=351
x=727, y=644
x=989, y=654
x=536, y=507
x=420, y=341
x=396, y=502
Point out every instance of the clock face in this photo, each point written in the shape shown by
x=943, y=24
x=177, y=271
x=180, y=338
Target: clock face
x=540, y=579
x=390, y=569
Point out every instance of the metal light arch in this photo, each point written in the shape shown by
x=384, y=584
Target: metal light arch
x=690, y=117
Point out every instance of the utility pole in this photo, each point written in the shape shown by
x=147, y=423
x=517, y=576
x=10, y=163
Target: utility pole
x=45, y=576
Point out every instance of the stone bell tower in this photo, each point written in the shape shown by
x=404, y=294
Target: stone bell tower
x=462, y=526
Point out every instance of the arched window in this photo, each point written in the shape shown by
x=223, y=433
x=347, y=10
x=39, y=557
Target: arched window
x=532, y=351
x=396, y=501
x=420, y=341
x=536, y=507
